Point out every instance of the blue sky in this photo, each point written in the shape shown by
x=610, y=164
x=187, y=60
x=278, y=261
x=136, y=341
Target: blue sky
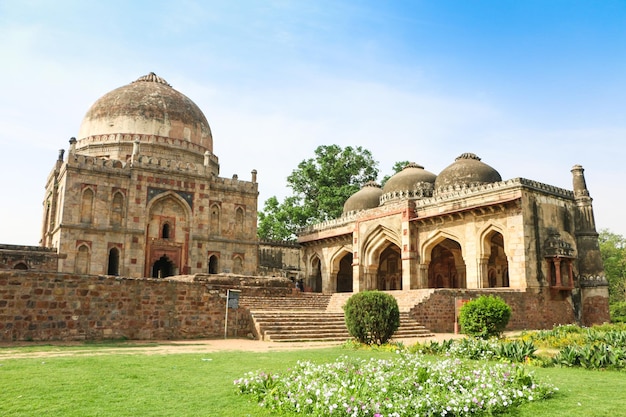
x=532, y=87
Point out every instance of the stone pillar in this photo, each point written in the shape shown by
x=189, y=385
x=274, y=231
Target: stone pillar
x=472, y=270
x=135, y=154
x=72, y=150
x=358, y=283
x=422, y=276
x=591, y=278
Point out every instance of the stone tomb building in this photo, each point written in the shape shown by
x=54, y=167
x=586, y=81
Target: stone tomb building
x=139, y=192
x=465, y=228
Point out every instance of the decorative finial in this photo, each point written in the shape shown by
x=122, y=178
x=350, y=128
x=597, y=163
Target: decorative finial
x=468, y=155
x=153, y=78
x=371, y=184
x=413, y=165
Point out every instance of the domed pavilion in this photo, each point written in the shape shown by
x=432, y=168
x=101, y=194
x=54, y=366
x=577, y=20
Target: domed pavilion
x=138, y=193
x=462, y=230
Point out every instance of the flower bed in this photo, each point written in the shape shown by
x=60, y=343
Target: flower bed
x=405, y=385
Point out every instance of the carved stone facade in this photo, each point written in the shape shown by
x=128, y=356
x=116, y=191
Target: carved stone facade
x=465, y=228
x=139, y=193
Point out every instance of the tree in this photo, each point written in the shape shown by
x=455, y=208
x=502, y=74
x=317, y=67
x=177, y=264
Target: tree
x=397, y=167
x=613, y=251
x=320, y=186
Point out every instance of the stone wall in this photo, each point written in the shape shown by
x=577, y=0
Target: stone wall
x=43, y=306
x=28, y=257
x=281, y=259
x=531, y=309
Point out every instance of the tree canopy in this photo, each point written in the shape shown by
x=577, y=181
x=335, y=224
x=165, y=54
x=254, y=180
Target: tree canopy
x=320, y=186
x=613, y=250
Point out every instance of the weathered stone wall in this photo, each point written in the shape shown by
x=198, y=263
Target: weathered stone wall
x=43, y=306
x=531, y=309
x=595, y=304
x=281, y=259
x=28, y=257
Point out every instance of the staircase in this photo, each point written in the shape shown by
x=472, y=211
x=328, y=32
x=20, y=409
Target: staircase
x=319, y=317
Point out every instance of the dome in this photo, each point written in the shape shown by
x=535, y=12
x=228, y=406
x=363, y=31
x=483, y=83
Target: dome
x=148, y=109
x=466, y=171
x=367, y=197
x=413, y=177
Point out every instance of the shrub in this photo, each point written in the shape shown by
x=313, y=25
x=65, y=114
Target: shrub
x=485, y=317
x=372, y=317
x=618, y=312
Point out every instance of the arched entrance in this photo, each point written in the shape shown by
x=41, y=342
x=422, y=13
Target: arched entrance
x=344, y=276
x=113, y=267
x=162, y=268
x=213, y=264
x=497, y=264
x=446, y=268
x=316, y=274
x=389, y=275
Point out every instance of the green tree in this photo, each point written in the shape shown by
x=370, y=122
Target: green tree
x=397, y=167
x=613, y=251
x=320, y=186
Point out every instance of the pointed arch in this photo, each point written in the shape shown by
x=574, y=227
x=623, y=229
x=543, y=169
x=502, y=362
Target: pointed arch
x=237, y=264
x=315, y=274
x=86, y=205
x=163, y=268
x=213, y=264
x=215, y=219
x=166, y=230
x=167, y=235
x=341, y=270
x=113, y=262
x=377, y=240
x=167, y=208
x=239, y=220
x=117, y=209
x=443, y=256
x=493, y=259
x=432, y=241
x=83, y=259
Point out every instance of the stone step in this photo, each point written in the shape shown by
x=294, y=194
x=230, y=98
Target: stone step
x=296, y=301
x=287, y=326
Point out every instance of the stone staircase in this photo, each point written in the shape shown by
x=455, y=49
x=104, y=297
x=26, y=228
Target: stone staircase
x=319, y=317
x=296, y=301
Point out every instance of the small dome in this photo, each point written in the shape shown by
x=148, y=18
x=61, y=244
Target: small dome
x=413, y=177
x=149, y=107
x=466, y=171
x=367, y=197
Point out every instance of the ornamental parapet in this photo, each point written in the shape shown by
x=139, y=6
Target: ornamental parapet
x=330, y=224
x=462, y=191
x=587, y=281
x=421, y=190
x=118, y=138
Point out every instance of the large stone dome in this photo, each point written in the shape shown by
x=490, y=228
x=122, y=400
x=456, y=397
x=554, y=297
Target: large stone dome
x=148, y=110
x=367, y=197
x=466, y=171
x=412, y=182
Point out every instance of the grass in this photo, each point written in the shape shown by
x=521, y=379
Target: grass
x=202, y=385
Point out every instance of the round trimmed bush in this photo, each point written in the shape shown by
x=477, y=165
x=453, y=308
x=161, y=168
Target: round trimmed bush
x=484, y=317
x=372, y=317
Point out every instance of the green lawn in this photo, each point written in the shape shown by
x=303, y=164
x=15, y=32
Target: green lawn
x=202, y=385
